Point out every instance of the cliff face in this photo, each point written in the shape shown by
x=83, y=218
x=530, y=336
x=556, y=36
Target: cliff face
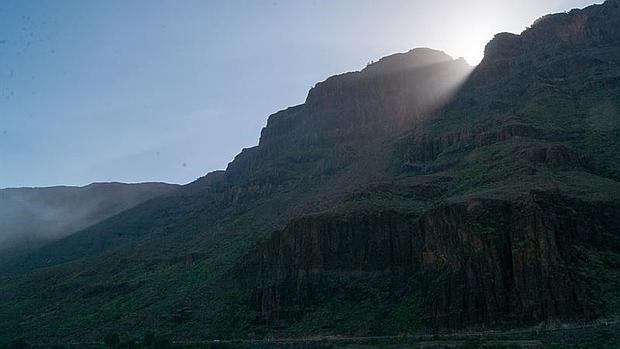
x=548, y=83
x=297, y=267
x=515, y=209
x=342, y=119
x=554, y=37
x=497, y=262
x=479, y=261
x=597, y=25
x=345, y=116
x=307, y=158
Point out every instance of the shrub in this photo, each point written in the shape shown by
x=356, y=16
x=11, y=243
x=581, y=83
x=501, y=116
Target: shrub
x=19, y=344
x=162, y=343
x=149, y=339
x=111, y=340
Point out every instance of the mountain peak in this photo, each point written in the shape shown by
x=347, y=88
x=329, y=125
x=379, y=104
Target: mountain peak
x=418, y=61
x=415, y=58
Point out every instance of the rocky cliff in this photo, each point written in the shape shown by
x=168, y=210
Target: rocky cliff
x=521, y=209
x=477, y=261
x=501, y=262
x=343, y=113
x=415, y=193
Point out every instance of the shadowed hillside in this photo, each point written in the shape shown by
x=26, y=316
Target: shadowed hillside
x=33, y=217
x=413, y=194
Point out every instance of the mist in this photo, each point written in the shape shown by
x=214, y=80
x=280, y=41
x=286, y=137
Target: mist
x=33, y=217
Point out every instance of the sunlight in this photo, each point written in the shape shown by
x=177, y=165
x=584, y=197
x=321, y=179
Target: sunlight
x=471, y=44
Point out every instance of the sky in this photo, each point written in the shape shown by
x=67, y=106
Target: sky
x=154, y=90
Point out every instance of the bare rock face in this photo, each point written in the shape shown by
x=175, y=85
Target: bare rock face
x=402, y=62
x=318, y=143
x=597, y=25
x=347, y=115
x=399, y=88
x=496, y=262
x=485, y=262
x=522, y=255
x=293, y=267
x=550, y=38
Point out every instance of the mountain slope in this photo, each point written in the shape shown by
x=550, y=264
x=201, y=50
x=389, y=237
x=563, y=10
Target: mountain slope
x=303, y=151
x=308, y=157
x=503, y=212
x=414, y=193
x=32, y=217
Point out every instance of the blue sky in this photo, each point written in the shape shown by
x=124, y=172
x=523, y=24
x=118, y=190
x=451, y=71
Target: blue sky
x=169, y=90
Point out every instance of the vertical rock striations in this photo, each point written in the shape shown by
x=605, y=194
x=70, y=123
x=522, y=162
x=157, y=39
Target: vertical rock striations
x=476, y=262
x=516, y=235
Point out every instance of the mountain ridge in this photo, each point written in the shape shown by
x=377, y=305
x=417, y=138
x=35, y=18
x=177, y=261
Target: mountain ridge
x=35, y=216
x=392, y=200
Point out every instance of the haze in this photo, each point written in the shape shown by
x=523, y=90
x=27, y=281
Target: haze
x=167, y=91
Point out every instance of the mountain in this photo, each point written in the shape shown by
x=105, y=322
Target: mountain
x=502, y=211
x=418, y=193
x=33, y=217
x=307, y=157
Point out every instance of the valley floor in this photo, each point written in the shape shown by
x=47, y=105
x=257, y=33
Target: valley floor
x=602, y=335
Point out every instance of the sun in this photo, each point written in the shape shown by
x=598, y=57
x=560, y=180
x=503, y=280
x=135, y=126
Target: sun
x=471, y=44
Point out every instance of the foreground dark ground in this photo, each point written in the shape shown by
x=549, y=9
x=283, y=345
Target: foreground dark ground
x=602, y=335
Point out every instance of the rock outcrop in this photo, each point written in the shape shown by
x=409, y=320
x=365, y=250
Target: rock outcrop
x=496, y=263
x=293, y=267
x=484, y=262
x=512, y=237
x=344, y=112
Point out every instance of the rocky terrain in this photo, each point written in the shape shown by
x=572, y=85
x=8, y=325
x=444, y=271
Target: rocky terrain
x=418, y=193
x=512, y=207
